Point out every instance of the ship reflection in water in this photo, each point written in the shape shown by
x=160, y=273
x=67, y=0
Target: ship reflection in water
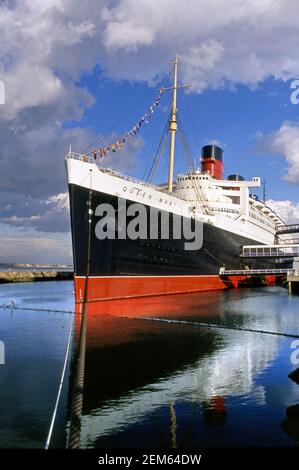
x=167, y=384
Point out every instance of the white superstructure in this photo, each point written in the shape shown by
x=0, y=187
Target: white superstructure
x=226, y=204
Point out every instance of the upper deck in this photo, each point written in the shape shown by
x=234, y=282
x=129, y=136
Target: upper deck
x=207, y=195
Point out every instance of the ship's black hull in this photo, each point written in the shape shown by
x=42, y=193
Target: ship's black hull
x=159, y=257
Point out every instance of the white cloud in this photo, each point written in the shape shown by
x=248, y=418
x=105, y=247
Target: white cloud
x=61, y=200
x=30, y=86
x=23, y=245
x=284, y=142
x=221, y=42
x=49, y=215
x=127, y=37
x=32, y=34
x=49, y=44
x=287, y=210
x=201, y=59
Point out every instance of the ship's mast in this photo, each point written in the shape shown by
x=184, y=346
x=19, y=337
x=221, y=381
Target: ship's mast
x=173, y=125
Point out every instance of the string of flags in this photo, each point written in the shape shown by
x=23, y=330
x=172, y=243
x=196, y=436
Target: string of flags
x=118, y=144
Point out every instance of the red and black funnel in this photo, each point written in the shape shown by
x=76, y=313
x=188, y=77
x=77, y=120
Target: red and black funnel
x=211, y=161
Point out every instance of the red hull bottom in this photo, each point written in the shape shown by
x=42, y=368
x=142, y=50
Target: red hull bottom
x=113, y=295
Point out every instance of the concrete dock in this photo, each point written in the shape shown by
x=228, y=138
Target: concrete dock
x=33, y=276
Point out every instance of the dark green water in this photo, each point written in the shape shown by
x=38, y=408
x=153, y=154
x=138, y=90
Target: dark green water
x=152, y=384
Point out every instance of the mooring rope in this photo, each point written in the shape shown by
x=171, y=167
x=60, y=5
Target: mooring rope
x=35, y=309
x=214, y=325
x=163, y=320
x=61, y=383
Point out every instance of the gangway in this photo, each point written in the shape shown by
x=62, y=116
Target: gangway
x=252, y=272
x=270, y=251
x=282, y=229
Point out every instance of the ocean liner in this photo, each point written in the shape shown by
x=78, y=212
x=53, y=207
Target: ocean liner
x=226, y=213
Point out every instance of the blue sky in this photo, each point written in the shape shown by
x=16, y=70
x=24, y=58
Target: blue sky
x=83, y=70
x=240, y=120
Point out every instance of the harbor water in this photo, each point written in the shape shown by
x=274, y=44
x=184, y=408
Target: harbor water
x=150, y=383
